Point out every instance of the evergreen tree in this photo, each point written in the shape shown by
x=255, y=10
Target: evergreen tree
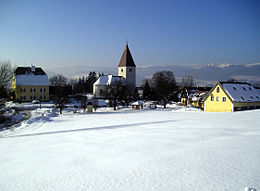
x=146, y=91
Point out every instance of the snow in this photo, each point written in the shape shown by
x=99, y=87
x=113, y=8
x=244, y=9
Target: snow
x=32, y=80
x=242, y=90
x=180, y=148
x=108, y=80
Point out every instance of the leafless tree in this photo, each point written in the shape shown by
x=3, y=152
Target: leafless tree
x=6, y=71
x=116, y=92
x=164, y=86
x=58, y=80
x=187, y=81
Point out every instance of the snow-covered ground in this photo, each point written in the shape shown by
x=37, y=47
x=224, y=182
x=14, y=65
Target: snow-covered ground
x=175, y=149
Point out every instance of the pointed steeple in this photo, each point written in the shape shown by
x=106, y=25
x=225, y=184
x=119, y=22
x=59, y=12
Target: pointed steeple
x=126, y=59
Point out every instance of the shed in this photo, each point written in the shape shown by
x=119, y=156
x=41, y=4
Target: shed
x=90, y=107
x=138, y=104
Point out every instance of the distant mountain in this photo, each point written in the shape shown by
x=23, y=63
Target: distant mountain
x=203, y=74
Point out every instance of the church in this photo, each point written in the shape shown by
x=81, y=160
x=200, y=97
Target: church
x=126, y=75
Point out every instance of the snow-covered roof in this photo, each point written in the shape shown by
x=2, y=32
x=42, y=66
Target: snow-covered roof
x=241, y=92
x=32, y=80
x=139, y=102
x=108, y=80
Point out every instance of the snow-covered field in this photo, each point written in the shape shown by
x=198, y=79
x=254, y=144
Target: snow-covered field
x=174, y=149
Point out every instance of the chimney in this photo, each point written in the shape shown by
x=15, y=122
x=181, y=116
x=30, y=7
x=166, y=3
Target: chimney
x=33, y=68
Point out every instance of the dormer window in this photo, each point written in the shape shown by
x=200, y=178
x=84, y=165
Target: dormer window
x=218, y=90
x=234, y=88
x=244, y=88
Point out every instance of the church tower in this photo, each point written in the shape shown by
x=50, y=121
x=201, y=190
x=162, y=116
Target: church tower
x=126, y=68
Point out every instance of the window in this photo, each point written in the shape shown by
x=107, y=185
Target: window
x=218, y=90
x=42, y=90
x=23, y=98
x=212, y=98
x=224, y=99
x=32, y=89
x=250, y=89
x=257, y=97
x=251, y=97
x=130, y=70
x=32, y=97
x=122, y=70
x=234, y=88
x=217, y=98
x=242, y=98
x=244, y=88
x=22, y=89
x=42, y=97
x=100, y=91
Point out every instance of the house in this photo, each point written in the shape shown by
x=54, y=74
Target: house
x=30, y=83
x=126, y=75
x=232, y=96
x=197, y=99
x=100, y=87
x=194, y=95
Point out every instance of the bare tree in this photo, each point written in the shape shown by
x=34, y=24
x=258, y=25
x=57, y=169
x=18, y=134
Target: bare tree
x=164, y=86
x=58, y=80
x=187, y=81
x=116, y=92
x=6, y=71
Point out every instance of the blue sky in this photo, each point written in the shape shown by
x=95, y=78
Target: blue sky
x=52, y=33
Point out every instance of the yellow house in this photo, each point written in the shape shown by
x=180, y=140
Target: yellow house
x=30, y=83
x=232, y=96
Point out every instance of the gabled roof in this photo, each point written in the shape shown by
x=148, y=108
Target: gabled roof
x=126, y=59
x=238, y=91
x=109, y=80
x=241, y=92
x=27, y=70
x=27, y=76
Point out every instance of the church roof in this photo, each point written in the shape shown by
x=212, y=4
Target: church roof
x=108, y=80
x=126, y=59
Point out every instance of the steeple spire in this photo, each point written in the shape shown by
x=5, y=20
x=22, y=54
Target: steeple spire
x=126, y=59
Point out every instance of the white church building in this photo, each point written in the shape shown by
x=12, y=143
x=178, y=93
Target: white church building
x=126, y=75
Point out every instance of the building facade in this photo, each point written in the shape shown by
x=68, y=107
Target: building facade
x=232, y=96
x=30, y=83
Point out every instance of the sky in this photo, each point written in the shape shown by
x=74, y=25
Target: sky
x=57, y=33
